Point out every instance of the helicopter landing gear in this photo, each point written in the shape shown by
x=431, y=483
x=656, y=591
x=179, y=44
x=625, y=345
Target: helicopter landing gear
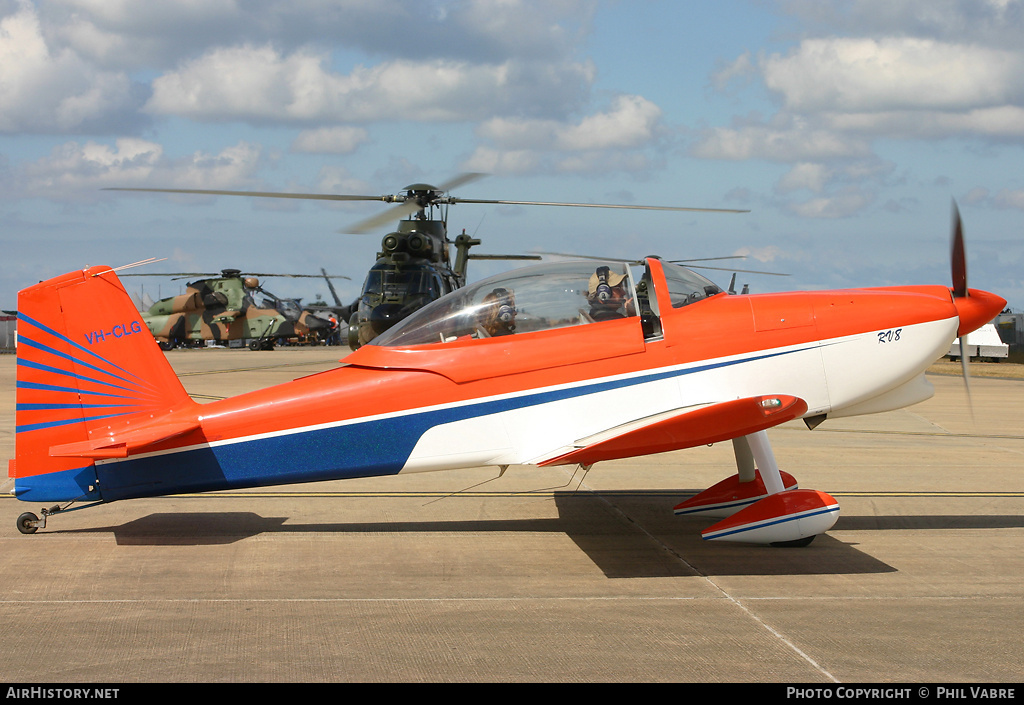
x=353, y=331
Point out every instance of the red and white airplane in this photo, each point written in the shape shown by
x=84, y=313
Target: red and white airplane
x=562, y=363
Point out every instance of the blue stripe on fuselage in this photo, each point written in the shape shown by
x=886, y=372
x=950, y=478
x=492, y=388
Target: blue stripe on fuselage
x=353, y=449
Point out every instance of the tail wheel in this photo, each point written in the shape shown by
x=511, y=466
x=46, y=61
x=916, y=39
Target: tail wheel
x=27, y=523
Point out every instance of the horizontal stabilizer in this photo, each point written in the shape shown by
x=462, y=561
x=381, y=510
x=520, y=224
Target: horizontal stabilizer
x=684, y=428
x=121, y=444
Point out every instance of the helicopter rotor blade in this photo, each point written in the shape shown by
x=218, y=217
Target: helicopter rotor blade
x=330, y=286
x=465, y=178
x=410, y=206
x=675, y=261
x=505, y=257
x=454, y=200
x=392, y=214
x=591, y=257
x=259, y=194
x=221, y=275
x=617, y=259
x=705, y=259
x=745, y=271
x=460, y=180
x=296, y=276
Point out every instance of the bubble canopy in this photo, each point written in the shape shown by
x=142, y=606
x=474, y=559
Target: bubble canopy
x=545, y=297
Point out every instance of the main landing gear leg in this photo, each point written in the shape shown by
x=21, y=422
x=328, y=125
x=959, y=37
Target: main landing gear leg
x=765, y=460
x=761, y=504
x=752, y=481
x=745, y=468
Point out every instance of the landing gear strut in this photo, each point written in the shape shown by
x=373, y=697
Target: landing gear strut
x=761, y=504
x=29, y=523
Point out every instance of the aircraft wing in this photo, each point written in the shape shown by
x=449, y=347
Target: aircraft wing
x=683, y=428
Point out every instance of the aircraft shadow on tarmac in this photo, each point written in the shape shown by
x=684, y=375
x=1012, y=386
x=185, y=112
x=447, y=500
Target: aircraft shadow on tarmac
x=626, y=535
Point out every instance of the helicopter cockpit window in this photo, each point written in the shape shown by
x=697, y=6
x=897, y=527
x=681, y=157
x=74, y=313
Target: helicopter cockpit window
x=548, y=296
x=387, y=281
x=286, y=306
x=685, y=286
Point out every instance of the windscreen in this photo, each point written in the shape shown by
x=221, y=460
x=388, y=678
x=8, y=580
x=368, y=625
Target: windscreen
x=525, y=300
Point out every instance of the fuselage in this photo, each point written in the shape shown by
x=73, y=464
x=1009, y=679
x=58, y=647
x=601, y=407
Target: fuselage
x=102, y=417
x=528, y=398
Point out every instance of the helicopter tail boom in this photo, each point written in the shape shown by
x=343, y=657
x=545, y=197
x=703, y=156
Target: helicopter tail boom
x=91, y=384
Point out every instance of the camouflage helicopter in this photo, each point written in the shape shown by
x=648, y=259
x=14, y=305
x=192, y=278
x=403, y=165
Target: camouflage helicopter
x=224, y=308
x=414, y=265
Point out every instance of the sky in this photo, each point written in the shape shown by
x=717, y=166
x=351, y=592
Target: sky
x=847, y=128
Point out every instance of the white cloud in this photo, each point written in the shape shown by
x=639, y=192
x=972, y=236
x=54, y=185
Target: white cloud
x=76, y=172
x=742, y=67
x=53, y=90
x=631, y=122
x=804, y=175
x=330, y=140
x=72, y=168
x=1004, y=122
x=840, y=94
x=162, y=33
x=260, y=84
x=864, y=74
x=769, y=253
x=499, y=161
x=841, y=205
x=231, y=167
x=126, y=34
x=613, y=140
x=334, y=179
x=984, y=22
x=778, y=144
x=1003, y=199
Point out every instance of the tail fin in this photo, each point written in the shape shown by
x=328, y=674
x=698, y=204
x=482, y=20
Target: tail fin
x=91, y=383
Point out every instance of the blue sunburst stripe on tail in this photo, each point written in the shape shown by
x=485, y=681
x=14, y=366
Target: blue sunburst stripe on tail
x=23, y=340
x=35, y=386
x=60, y=336
x=63, y=422
x=57, y=371
x=59, y=407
